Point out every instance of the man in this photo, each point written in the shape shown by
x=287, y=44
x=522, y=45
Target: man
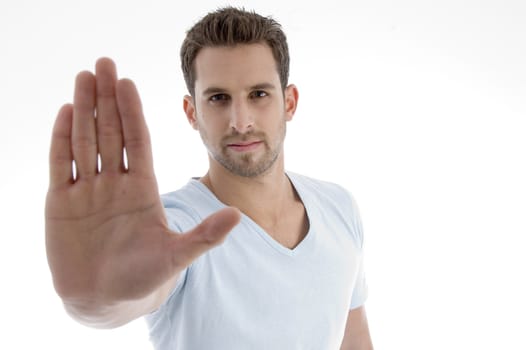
x=268, y=259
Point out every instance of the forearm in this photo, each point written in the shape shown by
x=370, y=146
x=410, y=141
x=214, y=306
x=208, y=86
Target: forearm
x=99, y=314
x=110, y=315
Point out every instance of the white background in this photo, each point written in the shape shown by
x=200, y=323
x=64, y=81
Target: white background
x=417, y=107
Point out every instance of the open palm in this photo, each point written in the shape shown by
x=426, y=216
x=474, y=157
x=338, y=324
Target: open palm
x=106, y=234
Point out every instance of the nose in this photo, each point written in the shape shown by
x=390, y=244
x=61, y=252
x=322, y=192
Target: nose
x=241, y=119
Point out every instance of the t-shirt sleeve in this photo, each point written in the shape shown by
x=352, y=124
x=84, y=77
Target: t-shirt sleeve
x=360, y=289
x=180, y=218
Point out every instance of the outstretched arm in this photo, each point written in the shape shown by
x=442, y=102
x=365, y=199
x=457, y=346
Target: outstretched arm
x=111, y=254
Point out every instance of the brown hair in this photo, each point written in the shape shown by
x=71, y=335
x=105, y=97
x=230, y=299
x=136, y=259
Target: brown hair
x=228, y=27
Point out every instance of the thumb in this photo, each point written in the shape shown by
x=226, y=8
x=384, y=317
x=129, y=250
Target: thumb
x=208, y=234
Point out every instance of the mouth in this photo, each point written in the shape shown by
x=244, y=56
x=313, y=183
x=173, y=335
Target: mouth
x=244, y=146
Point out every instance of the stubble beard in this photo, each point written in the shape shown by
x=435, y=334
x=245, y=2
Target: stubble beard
x=247, y=165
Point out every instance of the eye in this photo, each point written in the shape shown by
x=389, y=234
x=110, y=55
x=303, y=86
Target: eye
x=258, y=94
x=219, y=98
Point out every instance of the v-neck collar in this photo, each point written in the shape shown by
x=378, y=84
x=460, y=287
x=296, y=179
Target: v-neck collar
x=245, y=219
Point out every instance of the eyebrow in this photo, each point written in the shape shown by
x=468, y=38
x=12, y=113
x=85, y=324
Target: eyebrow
x=215, y=89
x=263, y=86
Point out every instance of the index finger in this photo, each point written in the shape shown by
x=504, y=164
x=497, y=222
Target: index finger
x=135, y=131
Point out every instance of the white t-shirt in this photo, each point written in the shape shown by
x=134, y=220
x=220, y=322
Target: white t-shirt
x=253, y=293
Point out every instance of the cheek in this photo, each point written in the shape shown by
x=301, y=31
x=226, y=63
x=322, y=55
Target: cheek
x=212, y=127
x=214, y=124
x=213, y=115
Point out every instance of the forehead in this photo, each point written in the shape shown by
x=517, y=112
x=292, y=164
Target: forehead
x=248, y=64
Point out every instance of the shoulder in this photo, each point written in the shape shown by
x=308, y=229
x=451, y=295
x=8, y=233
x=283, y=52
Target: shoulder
x=325, y=191
x=333, y=200
x=188, y=206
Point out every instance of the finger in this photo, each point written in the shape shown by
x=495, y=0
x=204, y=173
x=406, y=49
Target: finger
x=84, y=137
x=109, y=131
x=210, y=233
x=60, y=154
x=134, y=129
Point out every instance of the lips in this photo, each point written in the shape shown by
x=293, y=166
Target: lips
x=243, y=146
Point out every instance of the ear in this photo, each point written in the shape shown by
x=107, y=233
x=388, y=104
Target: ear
x=291, y=101
x=190, y=111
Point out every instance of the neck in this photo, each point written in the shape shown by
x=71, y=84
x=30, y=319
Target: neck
x=262, y=198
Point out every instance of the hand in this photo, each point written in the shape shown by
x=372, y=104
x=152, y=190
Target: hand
x=107, y=238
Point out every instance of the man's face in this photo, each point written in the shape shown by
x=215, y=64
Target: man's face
x=239, y=107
